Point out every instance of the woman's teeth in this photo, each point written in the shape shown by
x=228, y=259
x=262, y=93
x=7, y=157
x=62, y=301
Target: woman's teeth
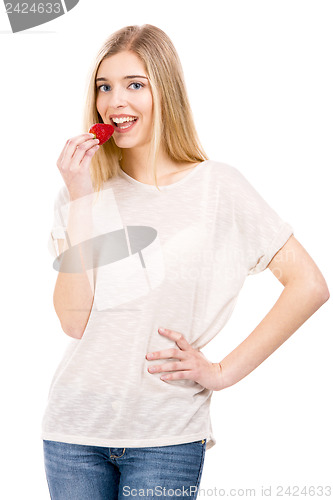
x=119, y=121
x=125, y=126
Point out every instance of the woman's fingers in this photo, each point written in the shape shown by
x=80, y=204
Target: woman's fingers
x=170, y=367
x=168, y=353
x=177, y=337
x=71, y=145
x=85, y=162
x=85, y=149
x=73, y=164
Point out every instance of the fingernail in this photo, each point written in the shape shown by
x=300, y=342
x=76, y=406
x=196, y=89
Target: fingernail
x=163, y=330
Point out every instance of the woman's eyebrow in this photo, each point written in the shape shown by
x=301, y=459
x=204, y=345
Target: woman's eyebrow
x=125, y=78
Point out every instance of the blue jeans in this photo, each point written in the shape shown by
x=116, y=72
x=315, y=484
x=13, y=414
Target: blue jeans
x=82, y=472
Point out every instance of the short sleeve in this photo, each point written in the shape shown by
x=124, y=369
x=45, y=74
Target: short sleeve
x=60, y=217
x=262, y=231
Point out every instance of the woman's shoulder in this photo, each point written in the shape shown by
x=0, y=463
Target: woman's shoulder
x=223, y=170
x=231, y=181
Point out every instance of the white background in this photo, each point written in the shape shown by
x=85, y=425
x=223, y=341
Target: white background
x=259, y=77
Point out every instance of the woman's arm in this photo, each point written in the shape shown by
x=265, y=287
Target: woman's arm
x=305, y=291
x=74, y=292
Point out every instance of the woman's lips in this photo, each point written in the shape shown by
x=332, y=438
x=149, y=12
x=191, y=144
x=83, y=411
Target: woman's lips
x=127, y=128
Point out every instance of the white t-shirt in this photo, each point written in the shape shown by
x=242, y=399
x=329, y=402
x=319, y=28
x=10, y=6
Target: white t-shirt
x=178, y=260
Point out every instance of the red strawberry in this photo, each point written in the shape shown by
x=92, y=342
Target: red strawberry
x=102, y=131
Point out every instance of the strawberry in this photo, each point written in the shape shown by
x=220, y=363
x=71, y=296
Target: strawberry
x=102, y=131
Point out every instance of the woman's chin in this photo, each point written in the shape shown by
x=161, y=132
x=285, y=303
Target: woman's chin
x=127, y=142
x=123, y=143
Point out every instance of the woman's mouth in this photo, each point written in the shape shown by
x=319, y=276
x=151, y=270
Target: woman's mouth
x=122, y=126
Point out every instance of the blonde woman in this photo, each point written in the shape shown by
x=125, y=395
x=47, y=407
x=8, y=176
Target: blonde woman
x=154, y=235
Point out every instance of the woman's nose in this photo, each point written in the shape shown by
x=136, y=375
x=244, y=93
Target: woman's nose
x=117, y=98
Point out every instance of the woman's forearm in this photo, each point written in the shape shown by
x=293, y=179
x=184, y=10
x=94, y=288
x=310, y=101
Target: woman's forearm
x=297, y=302
x=74, y=291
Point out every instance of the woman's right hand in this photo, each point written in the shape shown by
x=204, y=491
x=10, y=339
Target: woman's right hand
x=73, y=164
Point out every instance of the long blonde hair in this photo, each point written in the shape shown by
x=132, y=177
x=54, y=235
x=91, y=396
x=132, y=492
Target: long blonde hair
x=173, y=124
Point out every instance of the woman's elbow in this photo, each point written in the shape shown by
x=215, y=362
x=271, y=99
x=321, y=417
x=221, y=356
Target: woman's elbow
x=323, y=291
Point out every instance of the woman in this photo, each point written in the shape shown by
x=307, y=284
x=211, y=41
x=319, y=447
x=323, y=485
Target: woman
x=128, y=411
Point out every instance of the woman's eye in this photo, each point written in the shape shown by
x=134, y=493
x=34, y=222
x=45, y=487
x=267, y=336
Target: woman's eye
x=106, y=88
x=104, y=85
x=137, y=83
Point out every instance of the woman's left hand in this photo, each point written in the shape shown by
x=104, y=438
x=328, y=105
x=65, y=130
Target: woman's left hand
x=193, y=364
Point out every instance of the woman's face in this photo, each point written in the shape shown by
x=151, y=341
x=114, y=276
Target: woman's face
x=123, y=90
